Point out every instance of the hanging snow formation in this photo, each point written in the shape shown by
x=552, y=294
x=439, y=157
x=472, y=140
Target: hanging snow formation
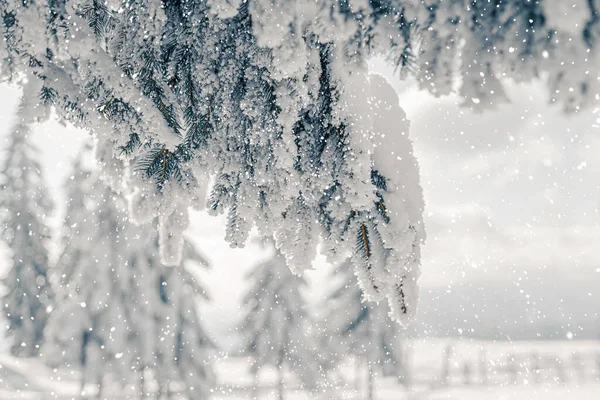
x=272, y=99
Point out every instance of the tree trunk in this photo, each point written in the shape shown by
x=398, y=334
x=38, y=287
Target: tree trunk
x=99, y=394
x=357, y=376
x=536, y=367
x=512, y=368
x=160, y=390
x=369, y=382
x=255, y=388
x=405, y=368
x=483, y=368
x=445, y=375
x=560, y=372
x=142, y=384
x=280, y=384
x=169, y=391
x=82, y=389
x=466, y=374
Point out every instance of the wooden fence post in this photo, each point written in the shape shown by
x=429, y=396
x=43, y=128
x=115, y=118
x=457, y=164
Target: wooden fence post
x=445, y=375
x=560, y=371
x=483, y=367
x=512, y=369
x=578, y=366
x=536, y=367
x=467, y=371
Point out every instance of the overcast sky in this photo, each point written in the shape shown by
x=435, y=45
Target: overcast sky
x=510, y=190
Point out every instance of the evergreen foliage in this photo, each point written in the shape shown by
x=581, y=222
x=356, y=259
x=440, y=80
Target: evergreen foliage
x=24, y=207
x=269, y=98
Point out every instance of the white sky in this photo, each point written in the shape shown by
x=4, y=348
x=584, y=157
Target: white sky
x=511, y=189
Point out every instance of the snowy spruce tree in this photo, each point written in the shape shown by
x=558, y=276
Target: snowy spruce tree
x=272, y=103
x=361, y=329
x=25, y=204
x=91, y=329
x=172, y=343
x=121, y=313
x=77, y=223
x=276, y=330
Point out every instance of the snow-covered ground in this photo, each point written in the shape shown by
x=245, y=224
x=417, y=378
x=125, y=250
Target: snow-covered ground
x=438, y=369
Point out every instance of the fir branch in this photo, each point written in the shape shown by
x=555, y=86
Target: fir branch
x=381, y=209
x=399, y=290
x=378, y=180
x=132, y=144
x=48, y=95
x=117, y=110
x=98, y=17
x=218, y=194
x=197, y=125
x=363, y=239
x=348, y=222
x=160, y=164
x=151, y=86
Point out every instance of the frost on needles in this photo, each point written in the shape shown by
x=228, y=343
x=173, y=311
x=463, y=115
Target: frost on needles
x=270, y=101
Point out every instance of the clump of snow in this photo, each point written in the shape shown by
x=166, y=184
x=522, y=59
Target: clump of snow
x=224, y=8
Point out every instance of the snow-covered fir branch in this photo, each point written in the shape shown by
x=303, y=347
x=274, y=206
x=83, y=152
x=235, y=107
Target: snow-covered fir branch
x=272, y=99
